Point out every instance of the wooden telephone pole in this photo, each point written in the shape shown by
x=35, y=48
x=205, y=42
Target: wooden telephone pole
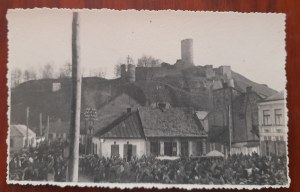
x=230, y=128
x=75, y=103
x=27, y=125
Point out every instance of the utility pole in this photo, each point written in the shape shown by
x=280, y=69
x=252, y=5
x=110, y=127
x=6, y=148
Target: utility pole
x=230, y=127
x=27, y=124
x=47, y=129
x=75, y=103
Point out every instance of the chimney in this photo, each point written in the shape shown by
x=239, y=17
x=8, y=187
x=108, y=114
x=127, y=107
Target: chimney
x=128, y=110
x=248, y=89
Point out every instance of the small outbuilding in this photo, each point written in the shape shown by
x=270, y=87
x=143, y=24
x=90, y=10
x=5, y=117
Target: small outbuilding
x=18, y=137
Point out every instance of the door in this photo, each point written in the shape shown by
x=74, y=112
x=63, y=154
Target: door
x=128, y=151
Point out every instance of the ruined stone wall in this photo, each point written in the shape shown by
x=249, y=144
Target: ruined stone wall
x=245, y=118
x=209, y=71
x=149, y=73
x=221, y=99
x=224, y=71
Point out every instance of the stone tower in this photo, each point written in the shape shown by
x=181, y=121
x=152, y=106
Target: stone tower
x=131, y=72
x=187, y=55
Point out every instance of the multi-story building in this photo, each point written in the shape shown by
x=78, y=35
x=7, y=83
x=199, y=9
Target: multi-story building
x=272, y=125
x=233, y=121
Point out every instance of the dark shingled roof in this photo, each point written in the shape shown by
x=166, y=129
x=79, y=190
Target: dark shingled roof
x=126, y=126
x=172, y=122
x=154, y=122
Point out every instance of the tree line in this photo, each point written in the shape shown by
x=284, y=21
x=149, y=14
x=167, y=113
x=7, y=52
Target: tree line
x=144, y=61
x=47, y=71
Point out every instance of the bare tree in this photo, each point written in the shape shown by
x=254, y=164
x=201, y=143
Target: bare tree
x=97, y=73
x=101, y=74
x=148, y=61
x=65, y=71
x=16, y=77
x=47, y=71
x=117, y=70
x=29, y=74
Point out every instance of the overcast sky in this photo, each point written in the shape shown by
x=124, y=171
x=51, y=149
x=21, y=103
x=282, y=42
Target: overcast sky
x=253, y=44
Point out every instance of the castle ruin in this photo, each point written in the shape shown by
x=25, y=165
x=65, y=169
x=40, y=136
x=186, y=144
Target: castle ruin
x=215, y=78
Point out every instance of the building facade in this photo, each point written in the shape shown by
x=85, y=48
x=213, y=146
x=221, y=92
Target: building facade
x=272, y=125
x=18, y=137
x=152, y=131
x=233, y=121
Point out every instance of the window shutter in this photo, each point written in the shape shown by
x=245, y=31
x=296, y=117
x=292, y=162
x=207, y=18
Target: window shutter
x=125, y=151
x=114, y=150
x=134, y=150
x=148, y=148
x=174, y=149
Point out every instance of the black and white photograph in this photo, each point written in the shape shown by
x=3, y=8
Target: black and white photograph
x=163, y=99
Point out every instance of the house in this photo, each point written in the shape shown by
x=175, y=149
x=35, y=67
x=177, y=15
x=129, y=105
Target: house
x=272, y=125
x=158, y=131
x=18, y=137
x=233, y=121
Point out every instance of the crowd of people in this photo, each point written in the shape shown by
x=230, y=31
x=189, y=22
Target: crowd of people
x=40, y=162
x=237, y=169
x=47, y=160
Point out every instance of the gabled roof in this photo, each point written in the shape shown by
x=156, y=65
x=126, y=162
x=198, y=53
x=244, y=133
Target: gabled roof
x=172, y=122
x=154, y=122
x=201, y=114
x=20, y=131
x=276, y=96
x=126, y=126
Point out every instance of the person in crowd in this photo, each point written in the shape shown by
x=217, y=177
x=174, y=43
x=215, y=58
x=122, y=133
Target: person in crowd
x=39, y=163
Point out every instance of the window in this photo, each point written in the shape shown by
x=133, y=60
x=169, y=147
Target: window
x=265, y=138
x=269, y=138
x=281, y=138
x=278, y=130
x=170, y=148
x=115, y=150
x=266, y=117
x=267, y=130
x=278, y=117
x=155, y=148
x=56, y=87
x=277, y=138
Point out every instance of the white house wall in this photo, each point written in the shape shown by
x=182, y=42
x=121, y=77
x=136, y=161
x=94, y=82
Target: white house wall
x=104, y=147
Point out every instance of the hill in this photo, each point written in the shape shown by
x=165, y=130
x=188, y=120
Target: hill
x=111, y=98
